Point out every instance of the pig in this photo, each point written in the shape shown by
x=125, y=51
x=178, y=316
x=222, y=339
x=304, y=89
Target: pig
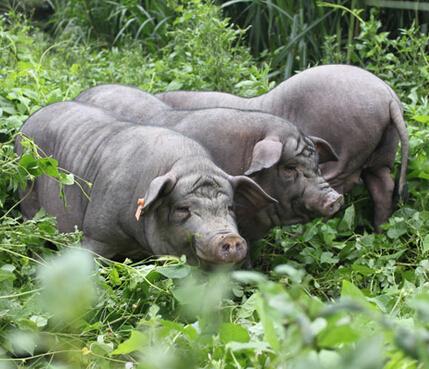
x=154, y=191
x=352, y=109
x=270, y=150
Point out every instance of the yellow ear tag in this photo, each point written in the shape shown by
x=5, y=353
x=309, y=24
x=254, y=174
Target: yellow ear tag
x=140, y=203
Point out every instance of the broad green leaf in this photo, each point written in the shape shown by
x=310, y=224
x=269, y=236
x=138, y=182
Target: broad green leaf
x=363, y=269
x=347, y=223
x=136, y=342
x=174, y=271
x=295, y=274
x=174, y=85
x=230, y=332
x=327, y=257
x=30, y=164
x=101, y=349
x=249, y=277
x=397, y=228
x=258, y=346
x=49, y=166
x=350, y=290
x=23, y=342
x=334, y=336
x=189, y=331
x=268, y=324
x=421, y=118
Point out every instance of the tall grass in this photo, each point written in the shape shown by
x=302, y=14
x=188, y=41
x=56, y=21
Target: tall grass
x=293, y=31
x=289, y=33
x=110, y=21
x=324, y=295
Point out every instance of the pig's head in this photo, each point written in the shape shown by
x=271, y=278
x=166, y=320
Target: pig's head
x=286, y=167
x=190, y=210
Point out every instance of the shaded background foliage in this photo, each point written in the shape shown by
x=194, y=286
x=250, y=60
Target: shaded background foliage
x=291, y=32
x=325, y=294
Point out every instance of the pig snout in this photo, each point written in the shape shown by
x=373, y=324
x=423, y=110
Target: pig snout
x=228, y=248
x=333, y=202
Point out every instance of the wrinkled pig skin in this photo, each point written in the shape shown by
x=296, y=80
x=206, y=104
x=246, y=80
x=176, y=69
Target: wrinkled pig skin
x=282, y=160
x=185, y=201
x=352, y=109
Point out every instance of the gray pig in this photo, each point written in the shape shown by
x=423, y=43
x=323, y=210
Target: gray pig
x=185, y=202
x=353, y=110
x=279, y=158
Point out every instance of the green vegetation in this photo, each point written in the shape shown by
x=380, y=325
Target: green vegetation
x=323, y=295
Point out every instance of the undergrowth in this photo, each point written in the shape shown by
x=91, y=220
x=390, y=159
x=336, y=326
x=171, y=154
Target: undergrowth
x=326, y=294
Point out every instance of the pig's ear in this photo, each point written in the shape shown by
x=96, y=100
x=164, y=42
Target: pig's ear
x=324, y=149
x=266, y=153
x=247, y=191
x=160, y=186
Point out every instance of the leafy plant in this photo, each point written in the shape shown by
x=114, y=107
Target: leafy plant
x=204, y=53
x=403, y=61
x=111, y=22
x=325, y=294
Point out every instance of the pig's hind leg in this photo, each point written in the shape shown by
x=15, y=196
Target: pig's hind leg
x=378, y=178
x=380, y=186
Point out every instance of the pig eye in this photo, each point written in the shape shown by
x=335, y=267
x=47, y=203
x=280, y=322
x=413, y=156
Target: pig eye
x=181, y=213
x=182, y=210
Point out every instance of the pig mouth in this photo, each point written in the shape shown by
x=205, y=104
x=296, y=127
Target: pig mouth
x=302, y=214
x=222, y=248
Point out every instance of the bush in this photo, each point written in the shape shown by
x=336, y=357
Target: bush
x=325, y=294
x=403, y=62
x=112, y=22
x=204, y=53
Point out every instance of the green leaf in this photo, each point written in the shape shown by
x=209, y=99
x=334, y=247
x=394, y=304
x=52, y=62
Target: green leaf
x=425, y=244
x=114, y=276
x=268, y=324
x=363, y=269
x=6, y=275
x=174, y=271
x=347, y=223
x=136, y=341
x=66, y=179
x=173, y=86
x=294, y=274
x=421, y=118
x=49, y=166
x=30, y=164
x=40, y=321
x=25, y=324
x=397, y=228
x=23, y=342
x=100, y=347
x=350, y=290
x=248, y=277
x=327, y=257
x=332, y=337
x=230, y=332
x=259, y=346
